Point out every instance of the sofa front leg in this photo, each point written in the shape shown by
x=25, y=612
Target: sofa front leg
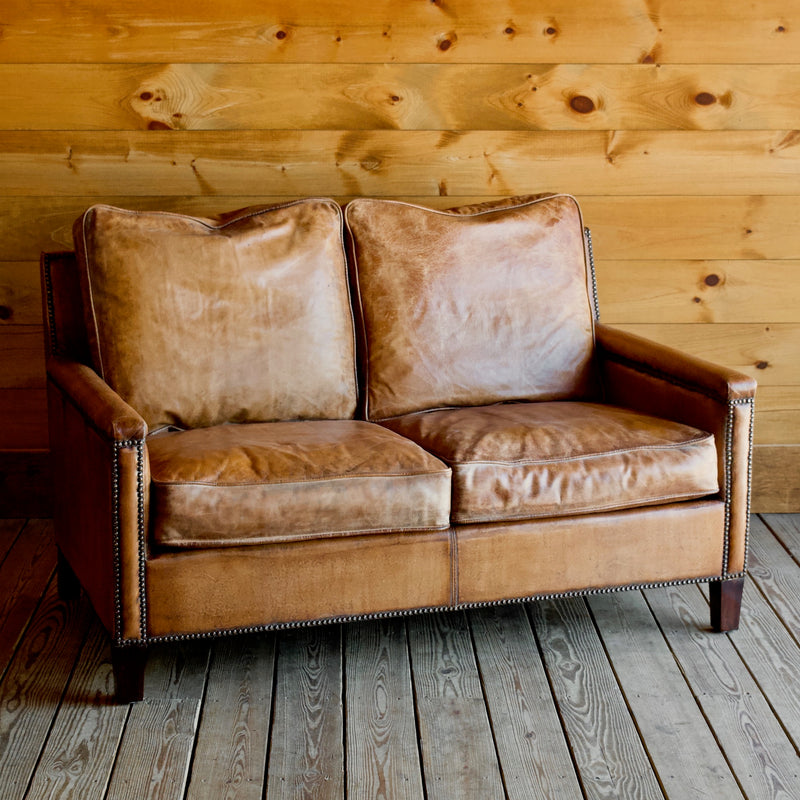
x=726, y=604
x=128, y=664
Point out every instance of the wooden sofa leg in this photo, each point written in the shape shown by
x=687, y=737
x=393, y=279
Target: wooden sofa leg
x=69, y=588
x=726, y=604
x=128, y=664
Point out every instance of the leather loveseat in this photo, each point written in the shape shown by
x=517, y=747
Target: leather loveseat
x=298, y=414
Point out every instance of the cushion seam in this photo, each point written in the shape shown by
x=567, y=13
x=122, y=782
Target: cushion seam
x=297, y=482
x=305, y=537
x=583, y=510
x=586, y=456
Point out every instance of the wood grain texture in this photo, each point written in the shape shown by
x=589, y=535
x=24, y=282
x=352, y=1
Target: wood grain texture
x=22, y=356
x=605, y=744
x=386, y=162
x=661, y=701
x=698, y=291
x=33, y=685
x=24, y=574
x=623, y=227
x=259, y=96
x=759, y=752
x=83, y=743
x=769, y=650
x=776, y=488
x=156, y=748
x=778, y=415
x=383, y=759
x=458, y=759
x=787, y=528
x=620, y=31
x=775, y=573
x=530, y=742
x=307, y=752
x=230, y=755
x=767, y=352
x=20, y=294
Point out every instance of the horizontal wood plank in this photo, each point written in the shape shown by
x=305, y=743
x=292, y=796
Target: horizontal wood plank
x=619, y=31
x=698, y=291
x=22, y=356
x=23, y=419
x=624, y=227
x=102, y=97
x=767, y=352
x=776, y=489
x=386, y=162
x=20, y=294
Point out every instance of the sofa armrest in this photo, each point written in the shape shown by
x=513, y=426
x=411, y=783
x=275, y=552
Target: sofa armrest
x=101, y=486
x=703, y=376
x=649, y=377
x=100, y=405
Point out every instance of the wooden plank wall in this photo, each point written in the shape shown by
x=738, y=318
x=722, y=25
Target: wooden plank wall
x=676, y=125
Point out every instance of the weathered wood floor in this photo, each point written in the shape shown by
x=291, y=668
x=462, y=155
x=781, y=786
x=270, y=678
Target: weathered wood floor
x=619, y=696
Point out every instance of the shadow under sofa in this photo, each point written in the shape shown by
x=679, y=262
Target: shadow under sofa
x=297, y=414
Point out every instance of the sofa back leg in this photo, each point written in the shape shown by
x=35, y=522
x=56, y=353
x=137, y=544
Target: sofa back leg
x=726, y=604
x=128, y=664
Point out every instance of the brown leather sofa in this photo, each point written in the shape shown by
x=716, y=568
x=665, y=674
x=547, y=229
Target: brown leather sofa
x=297, y=414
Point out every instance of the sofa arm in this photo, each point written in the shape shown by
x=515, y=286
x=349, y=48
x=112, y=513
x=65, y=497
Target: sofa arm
x=649, y=377
x=101, y=487
x=100, y=405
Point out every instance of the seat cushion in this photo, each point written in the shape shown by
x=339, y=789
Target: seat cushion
x=527, y=460
x=244, y=318
x=274, y=482
x=472, y=306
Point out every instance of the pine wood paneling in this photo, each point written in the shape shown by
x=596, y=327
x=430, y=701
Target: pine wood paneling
x=623, y=227
x=767, y=352
x=380, y=162
x=675, y=124
x=699, y=291
x=448, y=31
x=405, y=96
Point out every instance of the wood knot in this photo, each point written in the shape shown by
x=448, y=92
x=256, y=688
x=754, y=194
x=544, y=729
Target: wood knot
x=712, y=279
x=582, y=104
x=446, y=42
x=705, y=99
x=281, y=35
x=157, y=125
x=550, y=31
x=6, y=312
x=762, y=364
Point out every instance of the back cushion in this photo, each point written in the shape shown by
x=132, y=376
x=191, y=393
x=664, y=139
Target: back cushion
x=245, y=318
x=472, y=306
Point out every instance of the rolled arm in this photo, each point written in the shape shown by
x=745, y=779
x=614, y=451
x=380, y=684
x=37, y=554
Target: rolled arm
x=99, y=404
x=101, y=486
x=650, y=377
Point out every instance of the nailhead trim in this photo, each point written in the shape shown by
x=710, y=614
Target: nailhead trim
x=280, y=626
x=138, y=444
x=588, y=234
x=729, y=422
x=50, y=303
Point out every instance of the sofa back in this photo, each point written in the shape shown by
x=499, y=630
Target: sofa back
x=244, y=318
x=471, y=306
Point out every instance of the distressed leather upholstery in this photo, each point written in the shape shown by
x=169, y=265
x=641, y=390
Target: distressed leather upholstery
x=284, y=481
x=527, y=460
x=244, y=436
x=245, y=318
x=470, y=307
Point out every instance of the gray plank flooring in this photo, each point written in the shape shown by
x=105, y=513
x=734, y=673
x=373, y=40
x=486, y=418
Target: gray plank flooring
x=626, y=695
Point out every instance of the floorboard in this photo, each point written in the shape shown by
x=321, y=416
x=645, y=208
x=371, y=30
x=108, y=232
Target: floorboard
x=624, y=695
